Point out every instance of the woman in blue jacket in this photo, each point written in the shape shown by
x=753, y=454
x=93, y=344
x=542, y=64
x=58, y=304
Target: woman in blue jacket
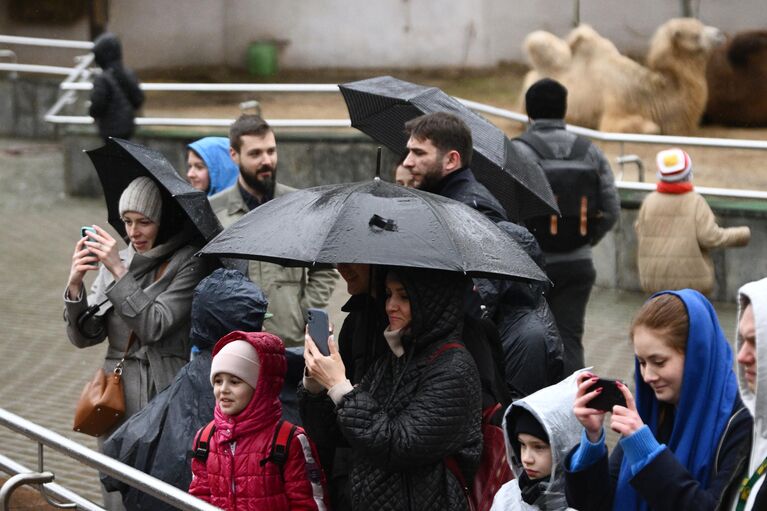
x=683, y=437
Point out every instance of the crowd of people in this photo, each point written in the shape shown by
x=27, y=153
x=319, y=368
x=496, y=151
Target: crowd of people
x=246, y=410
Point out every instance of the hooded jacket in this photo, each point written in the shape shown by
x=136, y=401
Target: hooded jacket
x=553, y=408
x=156, y=440
x=411, y=412
x=222, y=171
x=238, y=474
x=116, y=94
x=756, y=402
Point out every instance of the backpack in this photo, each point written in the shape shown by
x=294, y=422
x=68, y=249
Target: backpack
x=493, y=469
x=278, y=454
x=575, y=183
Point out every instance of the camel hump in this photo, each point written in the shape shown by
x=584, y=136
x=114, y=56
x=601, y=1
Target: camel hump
x=548, y=54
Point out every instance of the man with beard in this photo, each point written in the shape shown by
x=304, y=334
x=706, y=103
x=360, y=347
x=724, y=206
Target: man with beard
x=439, y=155
x=290, y=290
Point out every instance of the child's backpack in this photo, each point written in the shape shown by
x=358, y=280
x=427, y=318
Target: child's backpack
x=493, y=469
x=575, y=183
x=278, y=454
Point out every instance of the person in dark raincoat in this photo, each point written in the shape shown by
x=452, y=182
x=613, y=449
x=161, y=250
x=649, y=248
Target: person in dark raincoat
x=116, y=95
x=416, y=405
x=532, y=347
x=157, y=440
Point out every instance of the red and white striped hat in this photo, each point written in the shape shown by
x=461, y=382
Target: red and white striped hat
x=674, y=165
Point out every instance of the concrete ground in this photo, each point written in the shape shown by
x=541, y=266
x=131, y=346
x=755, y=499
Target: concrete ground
x=41, y=373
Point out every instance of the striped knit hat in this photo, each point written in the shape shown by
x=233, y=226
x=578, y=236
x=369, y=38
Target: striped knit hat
x=674, y=165
x=142, y=196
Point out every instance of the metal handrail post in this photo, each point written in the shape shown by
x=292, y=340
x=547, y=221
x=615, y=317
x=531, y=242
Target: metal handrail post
x=79, y=71
x=18, y=480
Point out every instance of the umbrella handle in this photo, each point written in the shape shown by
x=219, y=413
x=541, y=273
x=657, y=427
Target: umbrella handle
x=378, y=163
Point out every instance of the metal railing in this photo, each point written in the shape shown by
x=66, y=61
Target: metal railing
x=78, y=80
x=111, y=467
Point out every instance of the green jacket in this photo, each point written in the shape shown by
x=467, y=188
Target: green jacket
x=290, y=290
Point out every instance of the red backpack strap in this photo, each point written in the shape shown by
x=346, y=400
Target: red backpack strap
x=283, y=434
x=443, y=348
x=202, y=441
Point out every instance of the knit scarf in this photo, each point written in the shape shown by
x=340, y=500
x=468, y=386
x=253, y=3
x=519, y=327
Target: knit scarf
x=675, y=188
x=709, y=390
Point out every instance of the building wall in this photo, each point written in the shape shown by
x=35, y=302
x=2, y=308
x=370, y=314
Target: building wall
x=385, y=33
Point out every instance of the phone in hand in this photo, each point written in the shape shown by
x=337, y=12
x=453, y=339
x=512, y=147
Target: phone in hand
x=611, y=395
x=84, y=230
x=319, y=329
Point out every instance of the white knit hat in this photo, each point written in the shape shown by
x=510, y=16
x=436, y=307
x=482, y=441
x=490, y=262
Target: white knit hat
x=674, y=165
x=142, y=196
x=238, y=358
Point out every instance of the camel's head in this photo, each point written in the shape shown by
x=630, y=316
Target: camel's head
x=684, y=38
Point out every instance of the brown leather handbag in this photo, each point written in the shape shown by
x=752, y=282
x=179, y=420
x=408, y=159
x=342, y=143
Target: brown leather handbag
x=102, y=402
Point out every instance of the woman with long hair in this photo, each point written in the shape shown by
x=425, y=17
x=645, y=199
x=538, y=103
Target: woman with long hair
x=682, y=436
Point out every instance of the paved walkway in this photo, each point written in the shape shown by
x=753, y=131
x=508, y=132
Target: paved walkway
x=41, y=373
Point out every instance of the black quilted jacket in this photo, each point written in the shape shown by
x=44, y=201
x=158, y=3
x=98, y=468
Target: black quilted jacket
x=409, y=413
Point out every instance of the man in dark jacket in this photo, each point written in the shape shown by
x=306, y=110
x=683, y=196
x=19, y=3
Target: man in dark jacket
x=572, y=273
x=439, y=156
x=116, y=94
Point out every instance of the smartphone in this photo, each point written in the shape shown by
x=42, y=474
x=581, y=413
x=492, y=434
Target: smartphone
x=319, y=329
x=611, y=395
x=84, y=230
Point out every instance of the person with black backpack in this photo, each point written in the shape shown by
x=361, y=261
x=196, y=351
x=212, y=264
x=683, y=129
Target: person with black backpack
x=583, y=183
x=116, y=95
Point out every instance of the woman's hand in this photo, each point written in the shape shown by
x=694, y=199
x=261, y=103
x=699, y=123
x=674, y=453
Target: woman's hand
x=325, y=370
x=82, y=261
x=591, y=418
x=625, y=419
x=104, y=246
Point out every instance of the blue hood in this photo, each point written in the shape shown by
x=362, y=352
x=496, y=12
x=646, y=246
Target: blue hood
x=214, y=151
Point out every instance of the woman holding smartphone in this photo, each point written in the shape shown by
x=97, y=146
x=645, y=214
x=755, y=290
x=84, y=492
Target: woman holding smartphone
x=682, y=437
x=418, y=403
x=145, y=291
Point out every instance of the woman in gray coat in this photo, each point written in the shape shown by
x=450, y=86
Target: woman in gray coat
x=146, y=290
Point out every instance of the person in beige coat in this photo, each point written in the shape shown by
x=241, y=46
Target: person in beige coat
x=290, y=290
x=676, y=229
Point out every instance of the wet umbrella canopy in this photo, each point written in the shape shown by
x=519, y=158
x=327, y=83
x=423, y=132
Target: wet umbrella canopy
x=381, y=106
x=374, y=222
x=119, y=162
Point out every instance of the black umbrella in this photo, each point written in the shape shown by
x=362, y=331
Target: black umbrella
x=119, y=162
x=374, y=222
x=381, y=106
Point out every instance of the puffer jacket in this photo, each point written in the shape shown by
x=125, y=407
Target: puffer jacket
x=674, y=234
x=116, y=94
x=409, y=413
x=238, y=474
